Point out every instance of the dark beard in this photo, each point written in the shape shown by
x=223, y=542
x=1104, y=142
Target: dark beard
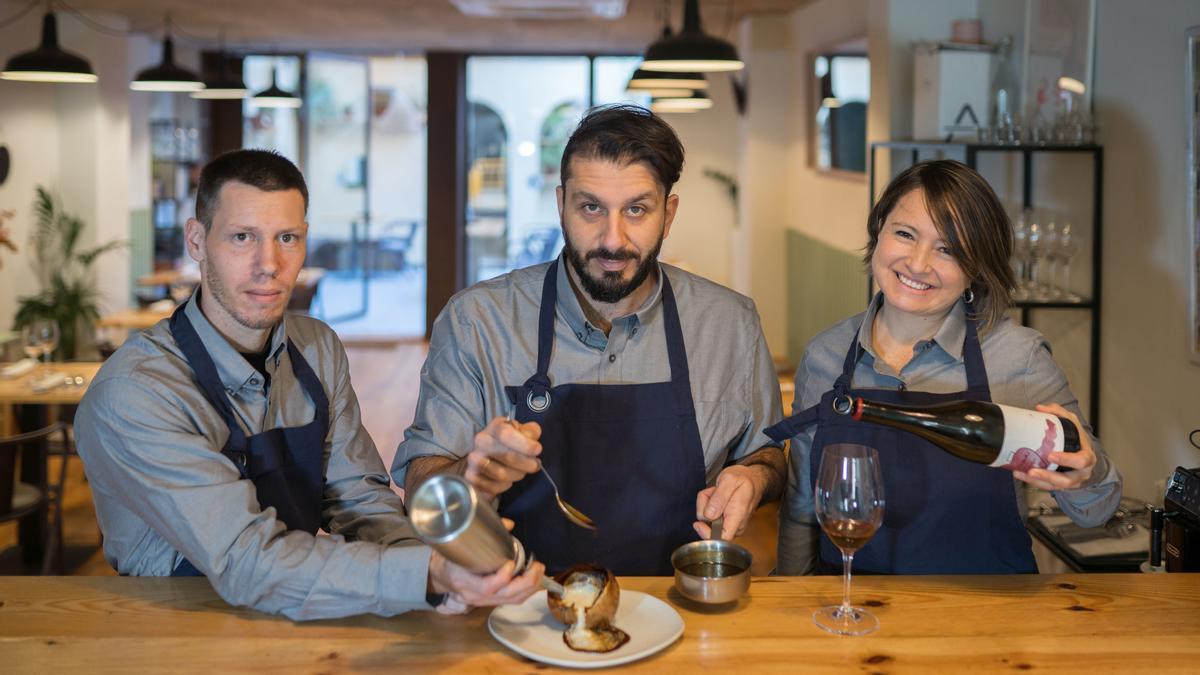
x=609, y=288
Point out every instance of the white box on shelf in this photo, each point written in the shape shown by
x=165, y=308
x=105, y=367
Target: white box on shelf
x=951, y=93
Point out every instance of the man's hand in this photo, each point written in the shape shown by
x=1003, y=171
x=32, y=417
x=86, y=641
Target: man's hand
x=1081, y=462
x=468, y=589
x=738, y=491
x=504, y=453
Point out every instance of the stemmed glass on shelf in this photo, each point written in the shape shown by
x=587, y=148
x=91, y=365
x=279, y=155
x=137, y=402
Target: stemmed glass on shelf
x=849, y=506
x=40, y=338
x=1048, y=286
x=1020, y=225
x=1037, y=251
x=1068, y=246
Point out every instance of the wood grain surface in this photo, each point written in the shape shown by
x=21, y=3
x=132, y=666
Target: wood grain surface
x=1105, y=623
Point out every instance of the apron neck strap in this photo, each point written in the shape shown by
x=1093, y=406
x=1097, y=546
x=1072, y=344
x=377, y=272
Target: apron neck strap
x=310, y=382
x=546, y=325
x=205, y=371
x=977, y=380
x=676, y=351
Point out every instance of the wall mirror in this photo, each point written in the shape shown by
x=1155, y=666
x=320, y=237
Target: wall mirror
x=840, y=92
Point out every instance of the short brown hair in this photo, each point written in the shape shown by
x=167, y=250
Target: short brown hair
x=266, y=170
x=971, y=220
x=627, y=134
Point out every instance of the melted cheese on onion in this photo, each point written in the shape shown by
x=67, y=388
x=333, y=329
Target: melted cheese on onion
x=579, y=596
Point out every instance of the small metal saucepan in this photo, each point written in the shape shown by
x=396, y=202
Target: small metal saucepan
x=712, y=571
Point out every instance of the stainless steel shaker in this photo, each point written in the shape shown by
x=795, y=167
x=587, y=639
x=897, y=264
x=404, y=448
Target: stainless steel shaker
x=449, y=516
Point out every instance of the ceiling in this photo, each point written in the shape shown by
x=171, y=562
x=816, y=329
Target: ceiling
x=379, y=26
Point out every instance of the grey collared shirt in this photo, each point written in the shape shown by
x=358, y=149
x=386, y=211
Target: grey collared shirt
x=151, y=443
x=1021, y=373
x=486, y=338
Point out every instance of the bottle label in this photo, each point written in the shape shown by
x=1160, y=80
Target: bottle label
x=1029, y=438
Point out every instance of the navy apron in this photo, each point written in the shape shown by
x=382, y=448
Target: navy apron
x=627, y=455
x=943, y=515
x=286, y=465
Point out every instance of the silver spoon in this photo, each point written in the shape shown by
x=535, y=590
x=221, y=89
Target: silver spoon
x=573, y=514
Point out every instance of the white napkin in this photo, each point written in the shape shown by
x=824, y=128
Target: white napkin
x=47, y=382
x=17, y=368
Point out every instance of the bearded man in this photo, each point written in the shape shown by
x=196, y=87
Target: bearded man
x=641, y=389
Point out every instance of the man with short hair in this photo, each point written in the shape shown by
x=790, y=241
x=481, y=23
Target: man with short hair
x=221, y=440
x=643, y=390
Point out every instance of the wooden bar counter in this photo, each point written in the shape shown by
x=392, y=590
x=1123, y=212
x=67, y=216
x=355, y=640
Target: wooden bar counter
x=1099, y=623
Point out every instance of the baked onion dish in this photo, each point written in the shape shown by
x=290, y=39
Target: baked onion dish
x=587, y=607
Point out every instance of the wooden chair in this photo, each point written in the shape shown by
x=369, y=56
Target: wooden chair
x=19, y=500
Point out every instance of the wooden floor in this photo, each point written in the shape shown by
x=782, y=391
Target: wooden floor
x=386, y=377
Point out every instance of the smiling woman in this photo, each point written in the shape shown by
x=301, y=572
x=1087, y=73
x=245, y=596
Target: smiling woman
x=939, y=245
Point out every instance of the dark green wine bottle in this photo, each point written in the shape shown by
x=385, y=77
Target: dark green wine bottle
x=977, y=431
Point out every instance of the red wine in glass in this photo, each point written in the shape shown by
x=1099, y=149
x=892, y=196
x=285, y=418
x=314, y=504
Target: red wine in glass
x=849, y=506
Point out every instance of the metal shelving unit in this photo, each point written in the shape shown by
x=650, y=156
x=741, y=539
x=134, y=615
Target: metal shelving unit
x=968, y=153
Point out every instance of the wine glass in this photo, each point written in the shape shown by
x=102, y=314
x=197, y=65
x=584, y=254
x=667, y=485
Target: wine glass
x=1020, y=254
x=1050, y=252
x=1037, y=250
x=849, y=506
x=1068, y=247
x=40, y=337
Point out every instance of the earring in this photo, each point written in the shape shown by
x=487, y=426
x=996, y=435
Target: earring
x=969, y=296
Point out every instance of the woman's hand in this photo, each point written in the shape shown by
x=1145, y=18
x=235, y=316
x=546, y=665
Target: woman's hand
x=1080, y=463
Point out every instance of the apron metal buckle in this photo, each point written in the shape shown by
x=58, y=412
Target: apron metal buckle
x=842, y=404
x=539, y=403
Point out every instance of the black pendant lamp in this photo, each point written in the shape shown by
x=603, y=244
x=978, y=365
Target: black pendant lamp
x=166, y=76
x=274, y=96
x=692, y=51
x=657, y=83
x=224, y=84
x=49, y=62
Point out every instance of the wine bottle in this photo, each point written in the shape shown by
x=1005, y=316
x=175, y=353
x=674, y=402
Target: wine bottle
x=988, y=433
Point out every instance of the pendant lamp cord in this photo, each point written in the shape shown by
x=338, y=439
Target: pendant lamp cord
x=149, y=28
x=9, y=20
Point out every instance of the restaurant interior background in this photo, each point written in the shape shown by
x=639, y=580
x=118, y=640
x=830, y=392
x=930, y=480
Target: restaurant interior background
x=396, y=232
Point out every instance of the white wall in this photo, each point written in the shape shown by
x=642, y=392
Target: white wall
x=765, y=171
x=830, y=207
x=29, y=128
x=87, y=143
x=1150, y=396
x=701, y=237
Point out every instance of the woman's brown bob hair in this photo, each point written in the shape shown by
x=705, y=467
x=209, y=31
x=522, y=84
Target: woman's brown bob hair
x=971, y=221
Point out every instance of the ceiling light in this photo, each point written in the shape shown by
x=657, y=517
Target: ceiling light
x=698, y=100
x=542, y=9
x=661, y=108
x=664, y=92
x=644, y=80
x=692, y=50
x=274, y=97
x=49, y=62
x=166, y=76
x=223, y=85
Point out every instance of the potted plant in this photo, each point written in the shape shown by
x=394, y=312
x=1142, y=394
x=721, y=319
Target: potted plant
x=69, y=294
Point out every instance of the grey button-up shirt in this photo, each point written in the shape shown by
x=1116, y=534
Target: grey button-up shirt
x=486, y=338
x=1021, y=373
x=151, y=443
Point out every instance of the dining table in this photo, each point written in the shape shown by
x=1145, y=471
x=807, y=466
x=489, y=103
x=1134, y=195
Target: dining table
x=1067, y=623
x=134, y=319
x=24, y=408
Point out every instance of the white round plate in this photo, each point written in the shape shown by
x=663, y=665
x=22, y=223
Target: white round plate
x=529, y=630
